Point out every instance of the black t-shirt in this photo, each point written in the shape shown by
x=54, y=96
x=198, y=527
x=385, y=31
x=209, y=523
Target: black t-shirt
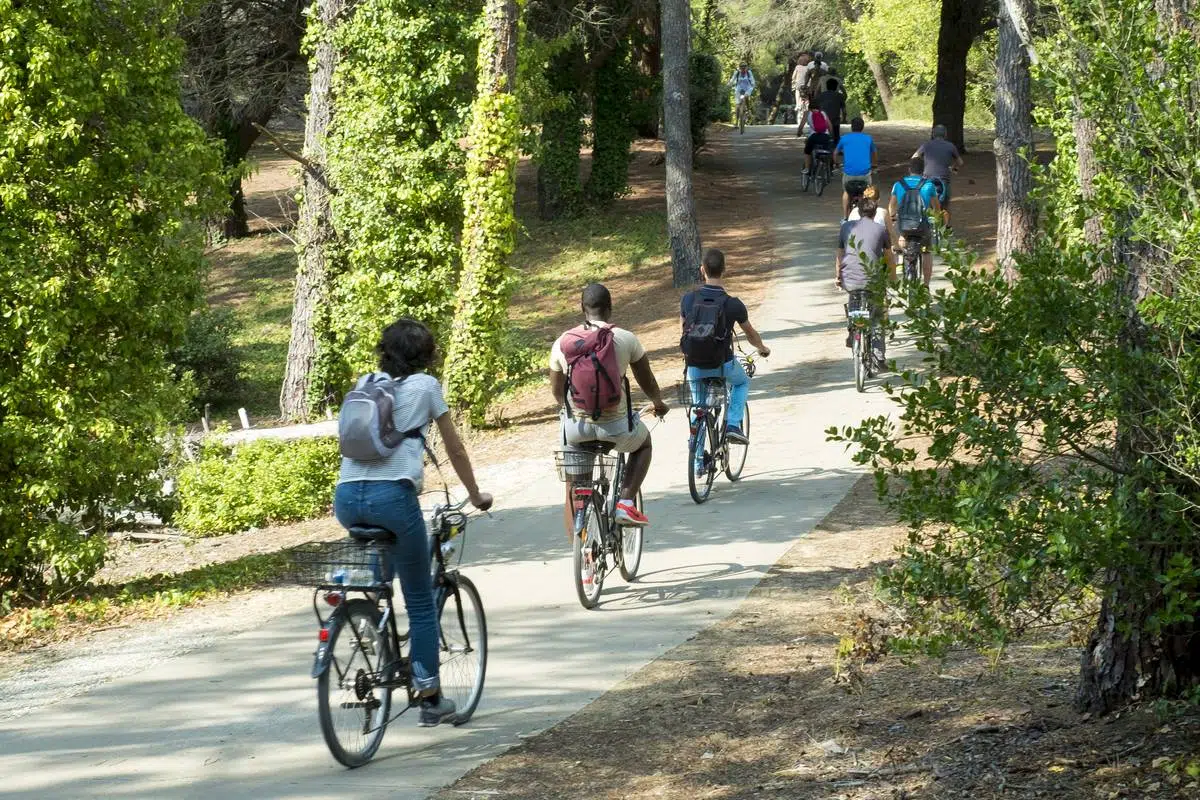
x=832, y=103
x=735, y=311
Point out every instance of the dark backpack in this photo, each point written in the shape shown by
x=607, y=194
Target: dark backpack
x=594, y=376
x=366, y=429
x=705, y=340
x=910, y=214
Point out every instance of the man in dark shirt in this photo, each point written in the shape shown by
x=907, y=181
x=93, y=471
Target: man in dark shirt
x=711, y=271
x=941, y=157
x=833, y=103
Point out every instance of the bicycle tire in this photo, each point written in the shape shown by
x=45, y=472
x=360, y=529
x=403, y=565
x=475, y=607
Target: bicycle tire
x=363, y=616
x=737, y=452
x=860, y=378
x=912, y=262
x=629, y=546
x=588, y=541
x=463, y=645
x=805, y=180
x=822, y=179
x=701, y=440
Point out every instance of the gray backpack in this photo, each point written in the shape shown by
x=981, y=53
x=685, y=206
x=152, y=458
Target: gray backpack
x=366, y=429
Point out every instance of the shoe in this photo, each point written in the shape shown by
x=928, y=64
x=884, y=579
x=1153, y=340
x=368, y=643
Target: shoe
x=734, y=434
x=628, y=516
x=434, y=713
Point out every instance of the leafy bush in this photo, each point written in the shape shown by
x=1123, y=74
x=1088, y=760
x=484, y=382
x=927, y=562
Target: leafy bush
x=257, y=483
x=707, y=90
x=106, y=184
x=207, y=359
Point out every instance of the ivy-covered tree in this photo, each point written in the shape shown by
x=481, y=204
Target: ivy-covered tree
x=489, y=234
x=105, y=183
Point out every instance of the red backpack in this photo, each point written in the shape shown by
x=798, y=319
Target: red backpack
x=593, y=373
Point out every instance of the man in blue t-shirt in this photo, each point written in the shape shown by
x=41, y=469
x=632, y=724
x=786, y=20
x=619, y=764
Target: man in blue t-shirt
x=929, y=200
x=856, y=151
x=712, y=271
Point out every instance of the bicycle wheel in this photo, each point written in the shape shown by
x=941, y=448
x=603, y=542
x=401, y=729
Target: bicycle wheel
x=352, y=708
x=589, y=575
x=741, y=119
x=629, y=547
x=860, y=374
x=805, y=180
x=735, y=459
x=822, y=179
x=912, y=262
x=462, y=635
x=704, y=445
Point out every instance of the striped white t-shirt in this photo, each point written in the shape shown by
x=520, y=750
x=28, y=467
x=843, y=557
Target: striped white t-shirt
x=418, y=401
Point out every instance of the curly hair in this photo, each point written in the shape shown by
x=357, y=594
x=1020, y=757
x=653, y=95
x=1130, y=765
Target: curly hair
x=406, y=347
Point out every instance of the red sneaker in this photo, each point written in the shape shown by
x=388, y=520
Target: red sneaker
x=627, y=515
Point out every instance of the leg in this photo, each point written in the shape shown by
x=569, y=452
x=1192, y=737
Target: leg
x=927, y=265
x=845, y=203
x=636, y=469
x=739, y=390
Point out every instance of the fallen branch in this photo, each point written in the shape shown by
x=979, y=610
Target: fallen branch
x=313, y=168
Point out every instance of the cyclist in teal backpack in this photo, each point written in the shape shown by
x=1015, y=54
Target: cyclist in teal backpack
x=709, y=314
x=912, y=197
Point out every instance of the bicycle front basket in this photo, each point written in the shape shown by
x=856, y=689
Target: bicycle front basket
x=345, y=563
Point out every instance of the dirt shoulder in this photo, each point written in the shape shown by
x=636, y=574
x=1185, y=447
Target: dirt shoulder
x=766, y=704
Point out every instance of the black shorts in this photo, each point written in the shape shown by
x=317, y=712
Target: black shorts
x=818, y=141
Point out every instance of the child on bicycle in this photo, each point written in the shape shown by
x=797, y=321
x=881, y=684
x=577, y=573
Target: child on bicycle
x=709, y=314
x=384, y=493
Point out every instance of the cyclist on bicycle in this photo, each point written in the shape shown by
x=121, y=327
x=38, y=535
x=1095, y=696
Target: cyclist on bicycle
x=941, y=157
x=729, y=310
x=743, y=84
x=862, y=245
x=607, y=353
x=911, y=194
x=800, y=75
x=857, y=151
x=819, y=139
x=833, y=103
x=384, y=493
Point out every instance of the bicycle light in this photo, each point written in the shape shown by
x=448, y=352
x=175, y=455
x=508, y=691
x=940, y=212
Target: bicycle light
x=333, y=599
x=323, y=635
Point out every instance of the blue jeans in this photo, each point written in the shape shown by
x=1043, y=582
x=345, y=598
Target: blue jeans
x=735, y=377
x=393, y=505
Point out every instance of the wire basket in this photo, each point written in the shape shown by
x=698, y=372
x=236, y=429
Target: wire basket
x=346, y=564
x=579, y=466
x=713, y=393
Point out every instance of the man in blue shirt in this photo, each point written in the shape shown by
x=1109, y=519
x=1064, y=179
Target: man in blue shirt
x=856, y=151
x=906, y=227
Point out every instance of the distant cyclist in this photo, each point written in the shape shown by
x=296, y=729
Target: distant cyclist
x=863, y=249
x=856, y=151
x=587, y=377
x=820, y=139
x=709, y=314
x=743, y=84
x=833, y=103
x=800, y=89
x=912, y=196
x=941, y=156
x=818, y=69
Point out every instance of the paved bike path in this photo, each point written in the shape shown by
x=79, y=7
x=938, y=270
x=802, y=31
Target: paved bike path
x=236, y=716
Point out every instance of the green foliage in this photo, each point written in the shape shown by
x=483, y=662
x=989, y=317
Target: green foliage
x=258, y=483
x=551, y=101
x=207, y=360
x=707, y=89
x=1059, y=411
x=473, y=362
x=105, y=184
x=862, y=95
x=616, y=82
x=403, y=87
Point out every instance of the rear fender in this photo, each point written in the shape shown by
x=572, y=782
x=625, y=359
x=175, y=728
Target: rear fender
x=324, y=655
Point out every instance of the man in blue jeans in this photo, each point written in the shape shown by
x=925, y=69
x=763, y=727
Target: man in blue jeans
x=712, y=271
x=856, y=152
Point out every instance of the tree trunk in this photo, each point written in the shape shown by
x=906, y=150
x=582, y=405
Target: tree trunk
x=1085, y=151
x=647, y=54
x=315, y=226
x=481, y=314
x=962, y=21
x=682, y=229
x=882, y=84
x=1016, y=215
x=558, y=185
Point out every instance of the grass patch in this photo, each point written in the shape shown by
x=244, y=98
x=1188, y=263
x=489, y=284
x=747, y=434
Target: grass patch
x=556, y=259
x=911, y=107
x=144, y=598
x=255, y=278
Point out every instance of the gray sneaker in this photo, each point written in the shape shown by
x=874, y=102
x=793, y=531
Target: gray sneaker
x=433, y=714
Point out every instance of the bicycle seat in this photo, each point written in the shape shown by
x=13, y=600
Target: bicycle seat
x=820, y=152
x=371, y=533
x=594, y=446
x=712, y=381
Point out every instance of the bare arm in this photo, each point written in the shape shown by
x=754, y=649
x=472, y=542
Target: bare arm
x=841, y=258
x=753, y=337
x=558, y=386
x=645, y=379
x=456, y=451
x=890, y=260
